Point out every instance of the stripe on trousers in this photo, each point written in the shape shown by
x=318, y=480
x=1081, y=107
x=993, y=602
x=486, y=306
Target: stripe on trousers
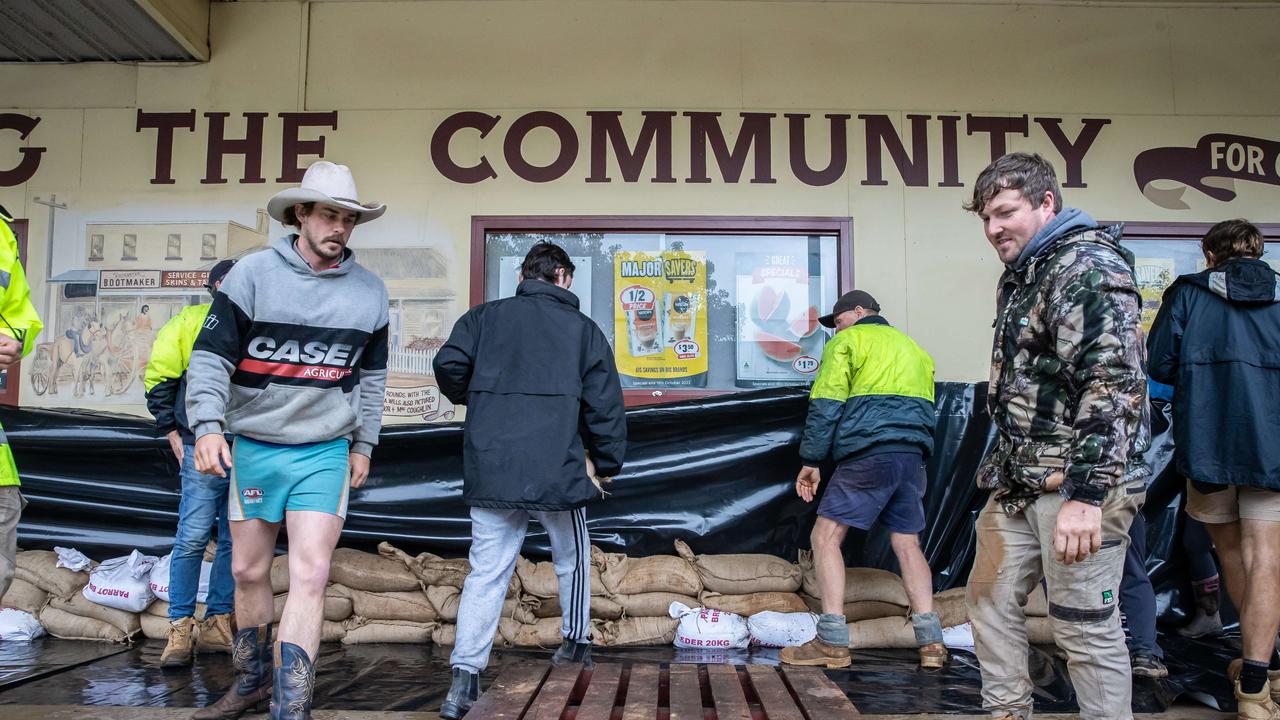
x=576, y=518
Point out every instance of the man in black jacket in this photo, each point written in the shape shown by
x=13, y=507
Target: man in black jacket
x=539, y=382
x=1216, y=339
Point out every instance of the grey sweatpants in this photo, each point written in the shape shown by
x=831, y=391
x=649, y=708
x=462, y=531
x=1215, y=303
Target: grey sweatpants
x=496, y=537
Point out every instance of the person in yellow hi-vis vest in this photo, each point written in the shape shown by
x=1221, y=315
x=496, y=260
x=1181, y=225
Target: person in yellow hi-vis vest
x=19, y=326
x=204, y=497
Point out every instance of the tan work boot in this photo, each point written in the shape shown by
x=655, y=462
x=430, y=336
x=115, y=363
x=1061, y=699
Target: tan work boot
x=816, y=652
x=178, y=651
x=1259, y=706
x=933, y=656
x=215, y=634
x=1273, y=678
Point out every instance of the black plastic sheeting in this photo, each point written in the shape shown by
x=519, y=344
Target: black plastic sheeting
x=718, y=473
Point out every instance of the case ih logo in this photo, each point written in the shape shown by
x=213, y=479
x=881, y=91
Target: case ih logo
x=251, y=496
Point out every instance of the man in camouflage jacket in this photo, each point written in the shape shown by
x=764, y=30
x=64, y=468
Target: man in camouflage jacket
x=1068, y=398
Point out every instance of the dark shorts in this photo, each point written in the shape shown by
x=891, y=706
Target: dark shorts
x=887, y=488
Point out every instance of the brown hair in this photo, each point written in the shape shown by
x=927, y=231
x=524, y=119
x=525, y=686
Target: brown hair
x=1233, y=239
x=1028, y=173
x=291, y=218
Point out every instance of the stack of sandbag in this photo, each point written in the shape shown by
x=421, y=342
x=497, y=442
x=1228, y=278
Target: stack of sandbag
x=746, y=584
x=78, y=618
x=39, y=569
x=896, y=632
x=643, y=589
x=24, y=596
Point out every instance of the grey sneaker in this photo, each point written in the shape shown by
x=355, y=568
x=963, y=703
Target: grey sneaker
x=1148, y=666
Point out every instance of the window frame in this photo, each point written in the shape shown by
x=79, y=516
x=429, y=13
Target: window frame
x=839, y=226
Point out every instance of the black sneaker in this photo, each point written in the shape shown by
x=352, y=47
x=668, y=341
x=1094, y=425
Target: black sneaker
x=463, y=693
x=1148, y=666
x=572, y=652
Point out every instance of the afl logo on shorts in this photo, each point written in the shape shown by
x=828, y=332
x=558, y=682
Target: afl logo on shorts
x=251, y=496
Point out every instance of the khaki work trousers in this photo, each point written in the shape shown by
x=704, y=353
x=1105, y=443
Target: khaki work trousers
x=1014, y=553
x=11, y=503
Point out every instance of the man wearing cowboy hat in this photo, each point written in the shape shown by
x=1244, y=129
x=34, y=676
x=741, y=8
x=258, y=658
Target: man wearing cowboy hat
x=292, y=361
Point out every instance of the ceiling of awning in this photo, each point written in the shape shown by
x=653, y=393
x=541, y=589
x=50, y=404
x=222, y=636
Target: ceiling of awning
x=103, y=30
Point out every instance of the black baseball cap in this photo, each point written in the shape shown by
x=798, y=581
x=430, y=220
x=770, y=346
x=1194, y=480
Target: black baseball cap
x=848, y=301
x=219, y=271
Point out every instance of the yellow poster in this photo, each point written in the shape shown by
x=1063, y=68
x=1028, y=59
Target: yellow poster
x=659, y=318
x=1153, y=276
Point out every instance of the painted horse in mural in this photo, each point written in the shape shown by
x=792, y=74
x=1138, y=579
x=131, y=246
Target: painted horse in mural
x=77, y=358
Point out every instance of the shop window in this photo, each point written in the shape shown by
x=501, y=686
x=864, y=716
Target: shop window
x=130, y=251
x=209, y=247
x=173, y=250
x=692, y=306
x=1162, y=252
x=96, y=242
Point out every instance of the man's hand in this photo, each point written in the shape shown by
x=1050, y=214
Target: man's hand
x=1078, y=533
x=175, y=444
x=807, y=482
x=10, y=351
x=212, y=454
x=359, y=465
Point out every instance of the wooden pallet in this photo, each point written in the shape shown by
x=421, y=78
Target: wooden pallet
x=634, y=691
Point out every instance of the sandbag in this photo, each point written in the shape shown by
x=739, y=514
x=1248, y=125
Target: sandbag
x=653, y=604
x=860, y=584
x=158, y=581
x=539, y=579
x=782, y=629
x=1039, y=631
x=752, y=603
x=544, y=633
x=622, y=575
x=338, y=605
x=446, y=633
x=19, y=626
x=388, y=631
x=951, y=606
x=126, y=622
x=1037, y=604
x=702, y=628
x=24, y=596
x=742, y=574
x=280, y=574
x=154, y=627
x=121, y=582
x=446, y=600
x=371, y=573
x=860, y=609
x=160, y=608
x=65, y=625
x=602, y=608
x=40, y=568
x=881, y=633
x=637, y=631
x=331, y=631
x=409, y=605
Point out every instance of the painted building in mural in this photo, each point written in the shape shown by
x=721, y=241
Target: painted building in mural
x=719, y=171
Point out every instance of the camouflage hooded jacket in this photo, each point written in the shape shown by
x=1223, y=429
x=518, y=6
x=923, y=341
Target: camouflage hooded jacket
x=1068, y=391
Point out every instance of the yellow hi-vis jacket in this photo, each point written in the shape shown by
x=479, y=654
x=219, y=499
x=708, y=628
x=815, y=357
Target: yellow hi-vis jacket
x=18, y=319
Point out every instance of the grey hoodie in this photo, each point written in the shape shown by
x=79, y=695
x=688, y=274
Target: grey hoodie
x=289, y=355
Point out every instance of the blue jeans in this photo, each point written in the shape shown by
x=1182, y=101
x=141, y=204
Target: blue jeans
x=204, y=501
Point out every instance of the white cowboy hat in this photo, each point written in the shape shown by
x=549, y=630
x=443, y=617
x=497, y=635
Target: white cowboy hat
x=327, y=183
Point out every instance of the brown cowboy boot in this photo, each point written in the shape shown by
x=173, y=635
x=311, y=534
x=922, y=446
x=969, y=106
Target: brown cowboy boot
x=251, y=656
x=294, y=681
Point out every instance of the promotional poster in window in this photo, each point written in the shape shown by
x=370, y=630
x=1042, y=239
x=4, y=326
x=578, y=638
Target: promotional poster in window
x=660, y=324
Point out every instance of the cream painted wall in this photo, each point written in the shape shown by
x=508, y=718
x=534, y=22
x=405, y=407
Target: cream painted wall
x=1164, y=75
